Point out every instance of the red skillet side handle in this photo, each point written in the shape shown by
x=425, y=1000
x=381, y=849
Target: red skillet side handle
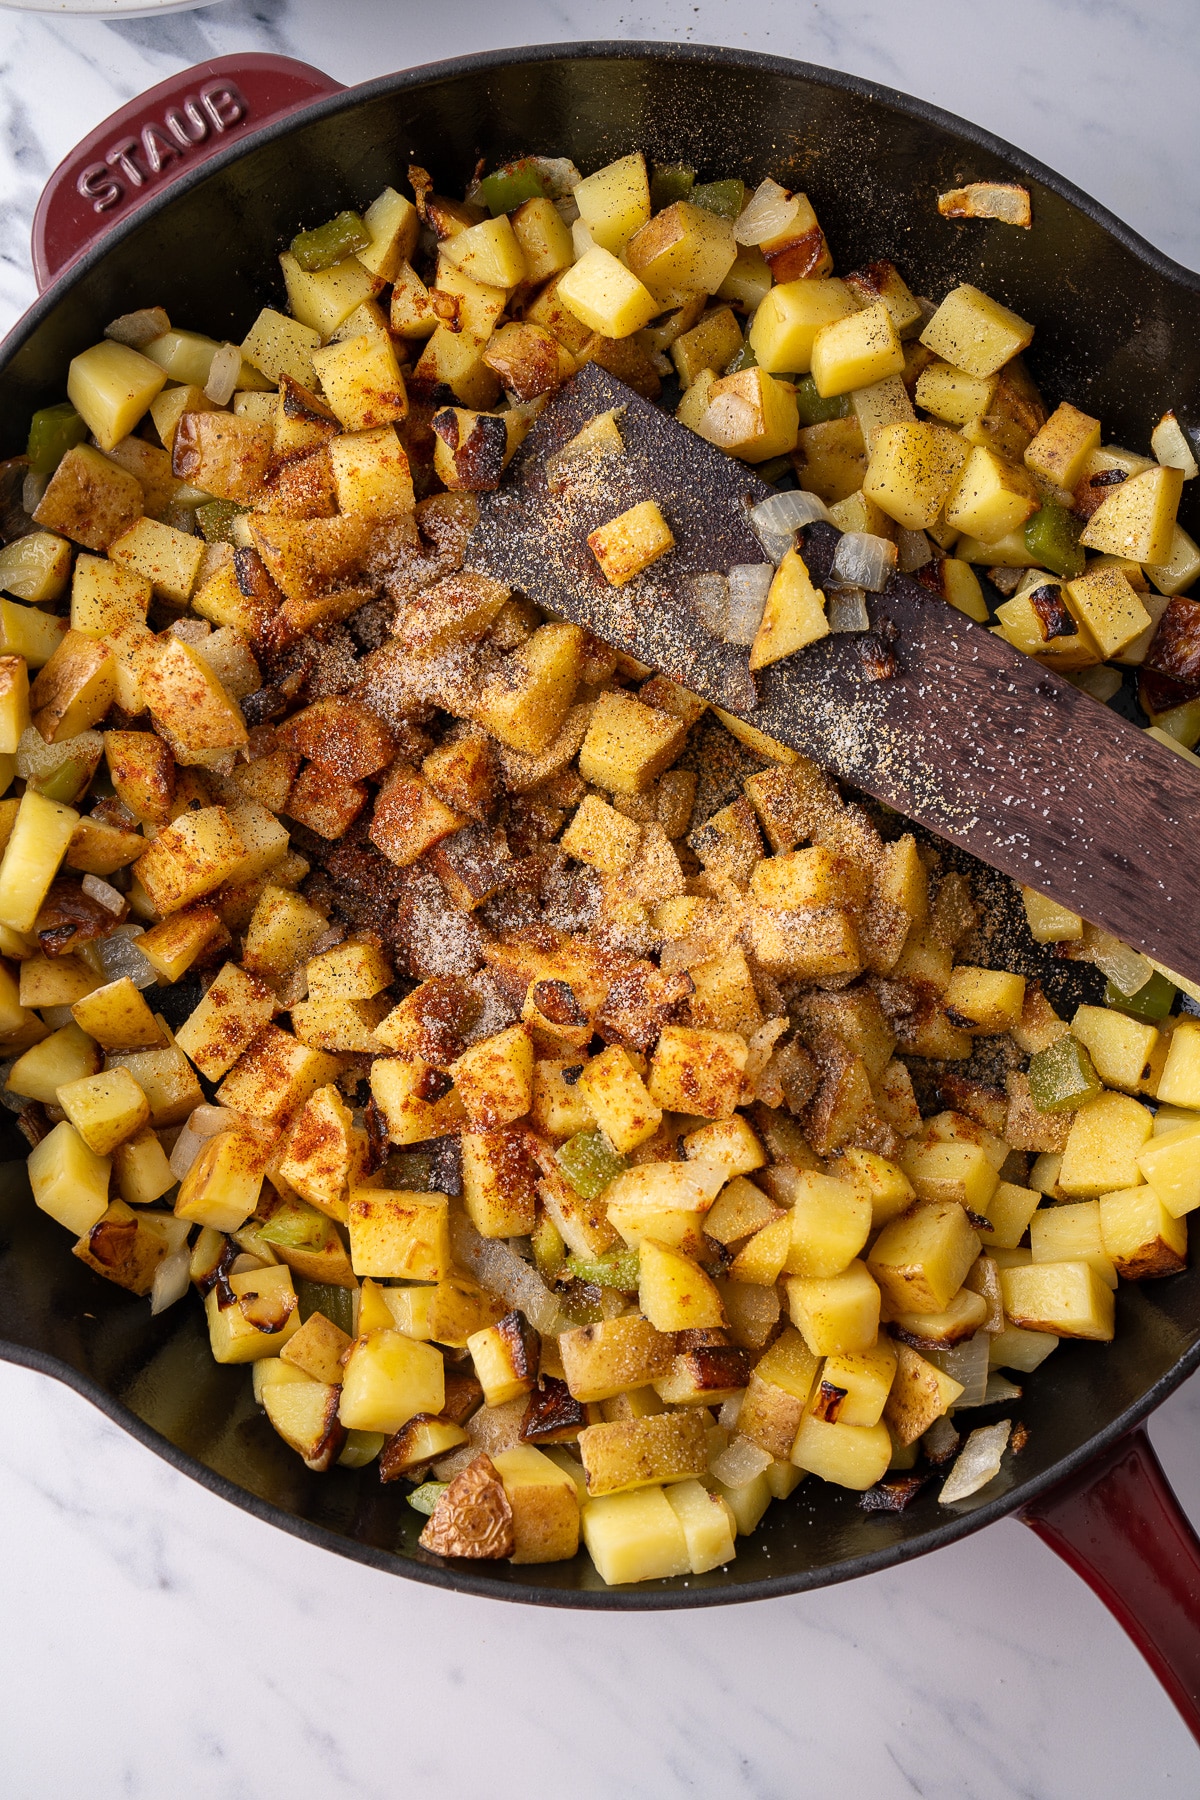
x=161, y=135
x=1119, y=1525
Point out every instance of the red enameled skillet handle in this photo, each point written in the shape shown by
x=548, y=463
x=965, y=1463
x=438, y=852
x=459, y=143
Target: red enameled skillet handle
x=157, y=137
x=1119, y=1525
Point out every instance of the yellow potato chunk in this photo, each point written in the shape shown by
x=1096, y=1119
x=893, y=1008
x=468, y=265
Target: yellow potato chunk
x=786, y=324
x=628, y=744
x=829, y=1224
x=1141, y=1234
x=1106, y=605
x=855, y=352
x=1137, y=519
x=69, y=1180
x=836, y=1314
x=674, y=1293
x=631, y=542
x=1121, y=1048
x=222, y=1187
x=975, y=333
x=750, y=415
x=682, y=250
x=1179, y=1083
x=1071, y=1233
x=1067, y=1298
x=1050, y=922
x=35, y=849
x=912, y=470
x=991, y=498
x=606, y=296
x=697, y=1071
x=985, y=1001
x=263, y=1317
x=400, y=1235
x=117, y=1016
x=635, y=1536
x=105, y=1109
x=794, y=614
x=850, y=1456
x=1102, y=1150
x=545, y=1505
x=921, y=1259
x=1171, y=1165
x=488, y=252
x=111, y=386
x=1062, y=446
x=388, y=1380
x=614, y=203
x=619, y=1099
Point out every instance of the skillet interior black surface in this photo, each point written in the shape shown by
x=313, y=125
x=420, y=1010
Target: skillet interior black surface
x=1115, y=334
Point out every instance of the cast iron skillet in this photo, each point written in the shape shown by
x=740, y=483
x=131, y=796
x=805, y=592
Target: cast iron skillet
x=1116, y=333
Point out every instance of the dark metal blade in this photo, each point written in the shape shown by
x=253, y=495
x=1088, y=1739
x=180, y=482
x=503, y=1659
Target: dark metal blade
x=969, y=737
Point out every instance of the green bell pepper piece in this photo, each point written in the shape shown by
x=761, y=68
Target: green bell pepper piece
x=52, y=432
x=336, y=1303
x=671, y=182
x=505, y=189
x=589, y=1163
x=814, y=410
x=297, y=1226
x=548, y=1251
x=215, y=519
x=426, y=1497
x=620, y=1269
x=1052, y=535
x=1152, y=1001
x=745, y=359
x=1062, y=1078
x=330, y=243
x=726, y=198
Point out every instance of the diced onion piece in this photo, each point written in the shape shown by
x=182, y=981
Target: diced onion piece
x=223, y=374
x=246, y=1264
x=561, y=174
x=1127, y=969
x=710, y=597
x=205, y=1121
x=171, y=1280
x=740, y=1463
x=913, y=551
x=33, y=490
x=776, y=520
x=999, y=1390
x=1170, y=445
x=188, y=1146
x=190, y=631
x=767, y=214
x=37, y=760
x=120, y=956
x=104, y=893
x=846, y=609
x=492, y=1262
x=728, y=1415
x=941, y=1440
x=864, y=560
x=748, y=585
x=978, y=1463
x=137, y=329
x=965, y=1363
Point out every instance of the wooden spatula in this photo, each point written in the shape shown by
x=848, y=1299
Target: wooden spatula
x=967, y=736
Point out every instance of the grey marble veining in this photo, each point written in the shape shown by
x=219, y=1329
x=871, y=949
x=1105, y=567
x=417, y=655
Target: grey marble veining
x=159, y=1643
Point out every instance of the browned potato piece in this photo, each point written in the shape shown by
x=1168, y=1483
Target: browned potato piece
x=473, y=1517
x=225, y=455
x=90, y=499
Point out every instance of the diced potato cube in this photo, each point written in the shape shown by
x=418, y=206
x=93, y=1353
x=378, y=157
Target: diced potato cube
x=117, y=1016
x=105, y=1109
x=371, y=473
x=712, y=344
x=324, y=298
x=505, y=1356
x=785, y=325
x=36, y=846
x=141, y=1169
x=836, y=1313
x=169, y=559
x=682, y=250
x=1008, y=1214
x=606, y=296
x=263, y=1317
x=698, y=1071
x=111, y=386
x=545, y=1505
x=991, y=497
x=173, y=946
x=855, y=1384
x=635, y=1537
x=489, y=252
x=921, y=1259
x=1049, y=922
x=400, y=1235
x=1120, y=1047
x=545, y=241
x=1102, y=1149
x=494, y=1078
x=794, y=614
x=975, y=333
x=1106, y=605
x=317, y=1348
x=227, y=1020
x=525, y=704
x=74, y=689
x=919, y=1394
x=1067, y=1298
x=167, y=1079
x=90, y=499
x=619, y=1100
x=388, y=1380
x=830, y=1222
x=854, y=352
x=628, y=744
x=708, y=1524
x=399, y=1086
x=912, y=471
x=1071, y=1233
x=1141, y=1235
x=601, y=836
x=674, y=1293
x=104, y=594
x=952, y=395
x=750, y=414
x=614, y=203
x=362, y=382
x=638, y=1453
x=1171, y=1165
x=274, y=1078
x=69, y=1180
x=985, y=1001
x=1137, y=519
x=631, y=542
x=851, y=1456
x=189, y=858
x=1179, y=1083
x=222, y=1187
x=606, y=1359
x=1062, y=446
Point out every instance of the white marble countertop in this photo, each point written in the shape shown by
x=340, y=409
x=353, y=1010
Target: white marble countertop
x=163, y=1643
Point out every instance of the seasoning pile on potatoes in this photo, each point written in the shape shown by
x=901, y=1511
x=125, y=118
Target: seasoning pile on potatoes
x=541, y=1123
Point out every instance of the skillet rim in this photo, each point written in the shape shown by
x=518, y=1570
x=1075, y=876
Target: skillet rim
x=463, y=1578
